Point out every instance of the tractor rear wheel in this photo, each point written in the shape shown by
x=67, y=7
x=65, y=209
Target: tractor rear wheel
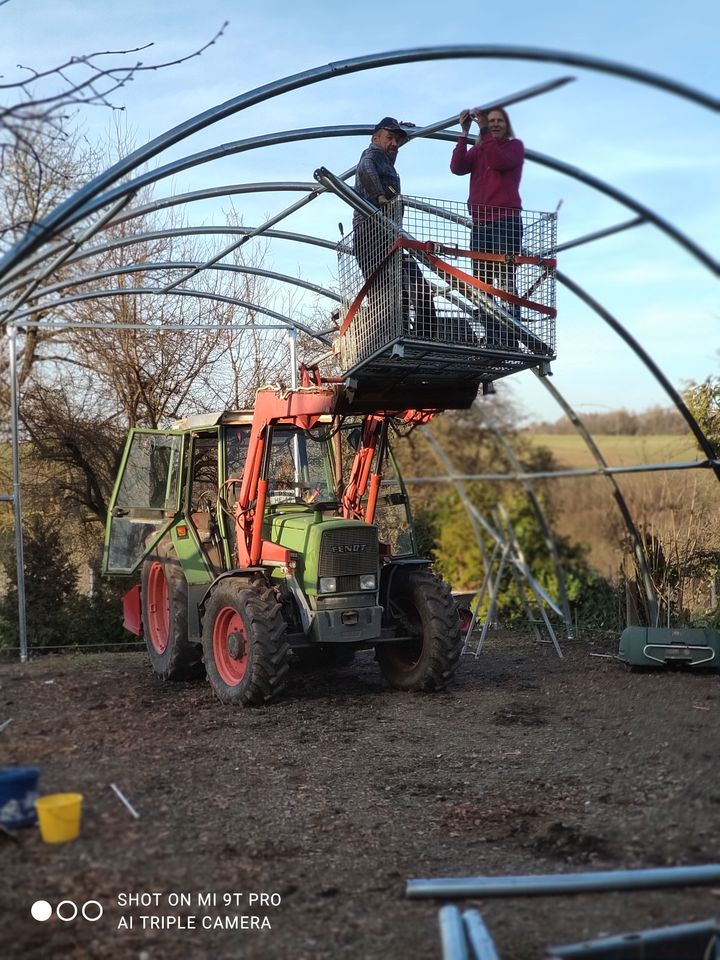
x=246, y=654
x=421, y=606
x=164, y=597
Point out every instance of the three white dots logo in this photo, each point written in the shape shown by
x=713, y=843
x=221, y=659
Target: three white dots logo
x=66, y=910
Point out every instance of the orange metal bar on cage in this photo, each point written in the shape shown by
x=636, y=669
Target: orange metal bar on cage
x=439, y=264
x=431, y=246
x=426, y=248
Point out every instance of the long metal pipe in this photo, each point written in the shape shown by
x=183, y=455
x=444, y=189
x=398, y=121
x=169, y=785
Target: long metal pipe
x=66, y=212
x=230, y=190
x=479, y=936
x=184, y=265
x=17, y=492
x=676, y=941
x=564, y=474
x=564, y=883
x=322, y=336
x=599, y=234
x=452, y=935
x=525, y=94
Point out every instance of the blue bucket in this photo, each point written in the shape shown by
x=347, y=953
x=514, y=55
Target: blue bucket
x=18, y=793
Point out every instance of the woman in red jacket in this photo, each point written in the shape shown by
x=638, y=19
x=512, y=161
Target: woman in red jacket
x=495, y=167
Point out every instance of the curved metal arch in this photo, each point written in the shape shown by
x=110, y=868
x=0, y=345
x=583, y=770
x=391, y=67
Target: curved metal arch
x=313, y=133
x=184, y=265
x=190, y=231
x=51, y=224
x=287, y=322
x=645, y=357
x=601, y=186
x=649, y=363
x=208, y=155
x=173, y=200
x=517, y=97
x=634, y=534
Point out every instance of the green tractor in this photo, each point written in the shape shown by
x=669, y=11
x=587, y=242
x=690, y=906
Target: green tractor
x=277, y=533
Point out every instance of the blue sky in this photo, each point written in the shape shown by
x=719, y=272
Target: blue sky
x=655, y=146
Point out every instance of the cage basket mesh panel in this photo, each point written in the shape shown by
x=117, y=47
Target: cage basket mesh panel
x=404, y=282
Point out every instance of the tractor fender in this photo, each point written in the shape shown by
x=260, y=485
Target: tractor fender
x=389, y=570
x=249, y=573
x=132, y=611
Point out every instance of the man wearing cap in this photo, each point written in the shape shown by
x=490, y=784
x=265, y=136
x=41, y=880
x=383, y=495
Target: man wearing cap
x=377, y=180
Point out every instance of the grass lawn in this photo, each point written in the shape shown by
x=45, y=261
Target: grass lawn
x=570, y=450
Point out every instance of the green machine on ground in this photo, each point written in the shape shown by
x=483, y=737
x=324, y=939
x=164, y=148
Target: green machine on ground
x=665, y=646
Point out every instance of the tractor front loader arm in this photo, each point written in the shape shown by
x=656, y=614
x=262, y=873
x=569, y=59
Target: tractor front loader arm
x=302, y=408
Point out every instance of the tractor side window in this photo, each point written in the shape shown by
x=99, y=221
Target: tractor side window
x=236, y=444
x=392, y=513
x=205, y=474
x=147, y=497
x=150, y=477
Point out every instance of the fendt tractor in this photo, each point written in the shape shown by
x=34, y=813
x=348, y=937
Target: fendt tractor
x=284, y=532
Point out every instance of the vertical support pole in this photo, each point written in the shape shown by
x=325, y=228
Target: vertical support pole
x=292, y=344
x=17, y=500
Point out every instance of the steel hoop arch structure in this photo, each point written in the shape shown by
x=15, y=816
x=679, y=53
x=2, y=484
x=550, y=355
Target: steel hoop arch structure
x=51, y=224
x=653, y=79
x=308, y=133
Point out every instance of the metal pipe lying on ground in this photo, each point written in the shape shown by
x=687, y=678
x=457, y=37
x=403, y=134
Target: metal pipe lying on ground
x=452, y=935
x=691, y=941
x=563, y=883
x=124, y=800
x=479, y=936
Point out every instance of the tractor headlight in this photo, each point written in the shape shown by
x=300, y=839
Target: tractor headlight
x=328, y=584
x=367, y=581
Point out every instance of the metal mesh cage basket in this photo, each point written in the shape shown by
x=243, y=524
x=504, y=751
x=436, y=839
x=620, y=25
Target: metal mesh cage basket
x=457, y=299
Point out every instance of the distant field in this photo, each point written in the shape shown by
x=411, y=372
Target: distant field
x=570, y=449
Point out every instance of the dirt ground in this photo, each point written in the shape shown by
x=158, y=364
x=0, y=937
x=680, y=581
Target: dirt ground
x=333, y=797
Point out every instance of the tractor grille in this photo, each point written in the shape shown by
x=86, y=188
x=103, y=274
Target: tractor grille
x=348, y=552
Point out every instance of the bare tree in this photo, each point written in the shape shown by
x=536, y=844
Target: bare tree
x=46, y=99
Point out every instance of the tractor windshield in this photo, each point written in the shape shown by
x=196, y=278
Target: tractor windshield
x=300, y=469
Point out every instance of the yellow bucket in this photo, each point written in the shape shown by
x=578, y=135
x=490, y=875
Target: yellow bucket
x=59, y=816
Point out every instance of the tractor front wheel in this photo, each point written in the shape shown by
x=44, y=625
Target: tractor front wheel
x=421, y=606
x=164, y=597
x=246, y=654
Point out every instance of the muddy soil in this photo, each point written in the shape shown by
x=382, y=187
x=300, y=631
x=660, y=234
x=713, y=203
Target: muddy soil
x=332, y=798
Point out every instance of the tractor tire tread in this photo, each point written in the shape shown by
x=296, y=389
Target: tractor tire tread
x=443, y=643
x=265, y=624
x=181, y=660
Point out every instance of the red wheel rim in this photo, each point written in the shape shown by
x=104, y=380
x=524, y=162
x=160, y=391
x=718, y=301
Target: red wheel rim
x=158, y=608
x=406, y=655
x=229, y=626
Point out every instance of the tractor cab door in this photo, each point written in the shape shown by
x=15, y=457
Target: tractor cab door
x=146, y=498
x=392, y=513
